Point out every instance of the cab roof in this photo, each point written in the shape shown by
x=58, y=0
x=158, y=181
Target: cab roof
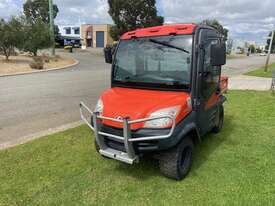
x=164, y=30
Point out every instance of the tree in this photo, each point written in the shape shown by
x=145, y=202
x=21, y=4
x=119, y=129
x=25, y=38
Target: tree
x=39, y=9
x=216, y=24
x=10, y=36
x=57, y=35
x=252, y=48
x=229, y=46
x=132, y=14
x=268, y=42
x=36, y=36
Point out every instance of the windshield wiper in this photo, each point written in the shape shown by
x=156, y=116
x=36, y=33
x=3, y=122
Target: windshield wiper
x=169, y=45
x=177, y=83
x=126, y=79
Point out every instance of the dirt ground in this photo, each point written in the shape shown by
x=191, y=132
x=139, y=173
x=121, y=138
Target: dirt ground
x=18, y=64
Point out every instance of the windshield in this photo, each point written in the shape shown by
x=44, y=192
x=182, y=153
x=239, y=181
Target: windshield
x=154, y=62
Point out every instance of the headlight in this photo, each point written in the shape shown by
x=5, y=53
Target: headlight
x=163, y=122
x=99, y=106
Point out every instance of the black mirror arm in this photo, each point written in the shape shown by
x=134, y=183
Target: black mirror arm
x=206, y=73
x=218, y=91
x=108, y=55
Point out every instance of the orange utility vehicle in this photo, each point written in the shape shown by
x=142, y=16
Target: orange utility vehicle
x=166, y=93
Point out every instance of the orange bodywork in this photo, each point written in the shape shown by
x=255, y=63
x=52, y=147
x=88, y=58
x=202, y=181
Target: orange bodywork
x=224, y=84
x=165, y=30
x=139, y=104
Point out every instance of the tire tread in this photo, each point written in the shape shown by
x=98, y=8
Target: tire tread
x=168, y=161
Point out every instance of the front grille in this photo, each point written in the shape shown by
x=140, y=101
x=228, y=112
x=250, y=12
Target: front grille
x=111, y=130
x=119, y=145
x=114, y=144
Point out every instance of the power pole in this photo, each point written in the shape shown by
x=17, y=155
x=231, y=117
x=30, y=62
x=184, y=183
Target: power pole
x=269, y=51
x=52, y=26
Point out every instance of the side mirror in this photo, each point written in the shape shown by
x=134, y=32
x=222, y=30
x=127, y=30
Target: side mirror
x=108, y=55
x=218, y=54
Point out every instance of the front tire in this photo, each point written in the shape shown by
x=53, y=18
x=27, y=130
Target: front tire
x=219, y=120
x=177, y=162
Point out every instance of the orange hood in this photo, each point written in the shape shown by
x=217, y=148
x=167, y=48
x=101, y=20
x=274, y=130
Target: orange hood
x=138, y=104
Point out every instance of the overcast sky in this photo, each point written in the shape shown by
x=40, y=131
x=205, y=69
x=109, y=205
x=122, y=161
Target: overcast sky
x=245, y=19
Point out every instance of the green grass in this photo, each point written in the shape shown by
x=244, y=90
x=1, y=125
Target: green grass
x=235, y=167
x=261, y=73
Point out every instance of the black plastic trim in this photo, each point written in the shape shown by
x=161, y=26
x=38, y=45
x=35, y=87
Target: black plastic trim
x=182, y=128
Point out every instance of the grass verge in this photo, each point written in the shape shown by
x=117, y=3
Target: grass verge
x=235, y=167
x=261, y=73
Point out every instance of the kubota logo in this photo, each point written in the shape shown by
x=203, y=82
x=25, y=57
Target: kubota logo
x=119, y=118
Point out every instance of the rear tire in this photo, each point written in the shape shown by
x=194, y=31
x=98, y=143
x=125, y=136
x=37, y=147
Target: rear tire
x=177, y=162
x=219, y=120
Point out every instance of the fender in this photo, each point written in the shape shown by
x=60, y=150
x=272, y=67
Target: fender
x=190, y=127
x=186, y=126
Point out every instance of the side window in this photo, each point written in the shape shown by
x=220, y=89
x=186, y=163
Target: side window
x=77, y=30
x=68, y=30
x=212, y=74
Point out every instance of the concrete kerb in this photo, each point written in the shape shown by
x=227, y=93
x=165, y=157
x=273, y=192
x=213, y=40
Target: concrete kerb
x=242, y=82
x=44, y=70
x=38, y=135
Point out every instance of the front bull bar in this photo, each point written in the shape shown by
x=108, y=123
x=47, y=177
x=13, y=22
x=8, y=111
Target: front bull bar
x=130, y=156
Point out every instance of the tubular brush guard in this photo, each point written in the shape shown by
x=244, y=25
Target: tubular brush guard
x=129, y=156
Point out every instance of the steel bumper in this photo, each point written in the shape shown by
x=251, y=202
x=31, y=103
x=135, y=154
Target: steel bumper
x=129, y=156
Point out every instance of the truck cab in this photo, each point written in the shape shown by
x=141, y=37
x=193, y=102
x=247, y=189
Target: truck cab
x=166, y=94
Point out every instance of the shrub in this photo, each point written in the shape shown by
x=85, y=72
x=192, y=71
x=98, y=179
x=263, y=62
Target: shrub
x=12, y=52
x=46, y=58
x=55, y=58
x=37, y=63
x=11, y=36
x=36, y=36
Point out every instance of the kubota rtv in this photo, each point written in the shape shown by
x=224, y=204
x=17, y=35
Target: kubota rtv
x=166, y=93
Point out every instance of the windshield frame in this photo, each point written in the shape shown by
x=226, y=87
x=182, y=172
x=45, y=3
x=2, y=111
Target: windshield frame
x=154, y=86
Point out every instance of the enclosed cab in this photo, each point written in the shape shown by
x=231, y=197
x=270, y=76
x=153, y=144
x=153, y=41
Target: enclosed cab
x=166, y=93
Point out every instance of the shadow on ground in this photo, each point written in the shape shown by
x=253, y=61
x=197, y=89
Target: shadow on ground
x=210, y=143
x=148, y=166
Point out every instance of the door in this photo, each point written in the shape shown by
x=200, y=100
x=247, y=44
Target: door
x=209, y=82
x=89, y=42
x=100, y=39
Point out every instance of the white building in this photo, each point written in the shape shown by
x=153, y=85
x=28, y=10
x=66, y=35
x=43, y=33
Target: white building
x=86, y=35
x=261, y=47
x=238, y=46
x=70, y=33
